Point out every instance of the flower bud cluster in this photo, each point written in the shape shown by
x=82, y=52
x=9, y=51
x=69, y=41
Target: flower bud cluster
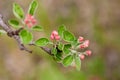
x=84, y=44
x=55, y=36
x=30, y=20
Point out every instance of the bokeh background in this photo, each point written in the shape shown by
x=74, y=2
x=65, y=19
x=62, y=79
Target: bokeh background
x=96, y=20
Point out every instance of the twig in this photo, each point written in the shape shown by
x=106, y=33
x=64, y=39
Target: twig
x=46, y=49
x=15, y=35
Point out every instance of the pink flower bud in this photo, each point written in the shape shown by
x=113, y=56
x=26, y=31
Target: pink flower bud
x=86, y=43
x=29, y=25
x=88, y=52
x=82, y=57
x=30, y=20
x=34, y=21
x=52, y=37
x=82, y=46
x=28, y=16
x=55, y=33
x=32, y=17
x=26, y=21
x=57, y=37
x=81, y=39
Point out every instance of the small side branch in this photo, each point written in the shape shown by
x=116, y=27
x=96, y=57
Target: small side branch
x=46, y=49
x=21, y=46
x=15, y=35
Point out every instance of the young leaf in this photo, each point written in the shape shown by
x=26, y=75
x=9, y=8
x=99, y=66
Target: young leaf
x=32, y=7
x=26, y=37
x=60, y=46
x=58, y=56
x=77, y=62
x=61, y=29
x=14, y=23
x=68, y=60
x=18, y=11
x=67, y=36
x=54, y=51
x=42, y=42
x=75, y=43
x=66, y=48
x=2, y=32
x=37, y=28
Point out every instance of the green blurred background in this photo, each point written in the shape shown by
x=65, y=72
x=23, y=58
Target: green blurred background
x=96, y=20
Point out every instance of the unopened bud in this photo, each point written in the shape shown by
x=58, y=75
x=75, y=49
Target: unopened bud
x=82, y=56
x=52, y=37
x=30, y=20
x=57, y=37
x=81, y=39
x=88, y=52
x=34, y=21
x=55, y=33
x=82, y=46
x=30, y=25
x=86, y=43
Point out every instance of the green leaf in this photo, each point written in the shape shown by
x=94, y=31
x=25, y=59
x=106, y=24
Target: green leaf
x=58, y=56
x=2, y=32
x=18, y=11
x=26, y=37
x=61, y=29
x=66, y=48
x=42, y=42
x=77, y=62
x=67, y=36
x=60, y=46
x=75, y=43
x=54, y=50
x=14, y=23
x=68, y=60
x=37, y=28
x=32, y=7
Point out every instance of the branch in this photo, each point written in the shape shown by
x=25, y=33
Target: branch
x=15, y=35
x=46, y=49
